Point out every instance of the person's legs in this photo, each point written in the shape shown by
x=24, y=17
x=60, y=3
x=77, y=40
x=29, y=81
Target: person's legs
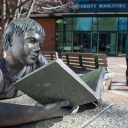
x=127, y=71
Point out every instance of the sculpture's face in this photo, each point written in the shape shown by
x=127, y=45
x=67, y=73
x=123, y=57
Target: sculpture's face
x=25, y=48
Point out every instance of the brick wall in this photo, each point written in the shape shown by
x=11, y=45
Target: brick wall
x=49, y=26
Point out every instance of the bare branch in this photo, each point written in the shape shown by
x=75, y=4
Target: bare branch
x=23, y=3
x=31, y=7
x=24, y=8
x=17, y=10
x=20, y=10
x=56, y=6
x=8, y=13
x=60, y=2
x=3, y=13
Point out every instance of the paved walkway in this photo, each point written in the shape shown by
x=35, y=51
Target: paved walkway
x=119, y=65
x=119, y=92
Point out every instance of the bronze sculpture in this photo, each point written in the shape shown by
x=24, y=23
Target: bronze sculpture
x=22, y=40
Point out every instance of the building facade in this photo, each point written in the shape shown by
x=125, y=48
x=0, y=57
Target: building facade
x=95, y=26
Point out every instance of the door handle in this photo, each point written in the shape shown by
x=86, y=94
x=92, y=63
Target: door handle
x=107, y=46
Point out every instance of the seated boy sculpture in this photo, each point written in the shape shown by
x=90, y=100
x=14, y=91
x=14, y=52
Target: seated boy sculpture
x=22, y=41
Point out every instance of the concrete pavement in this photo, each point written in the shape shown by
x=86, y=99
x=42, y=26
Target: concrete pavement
x=119, y=90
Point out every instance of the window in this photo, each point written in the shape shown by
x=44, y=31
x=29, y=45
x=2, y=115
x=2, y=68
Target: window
x=107, y=23
x=123, y=23
x=82, y=23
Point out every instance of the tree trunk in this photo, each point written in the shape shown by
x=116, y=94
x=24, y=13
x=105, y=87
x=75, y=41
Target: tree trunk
x=3, y=27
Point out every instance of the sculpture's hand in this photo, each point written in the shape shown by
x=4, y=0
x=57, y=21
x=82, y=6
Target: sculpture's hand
x=57, y=110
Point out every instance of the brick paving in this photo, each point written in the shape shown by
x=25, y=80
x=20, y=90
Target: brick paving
x=119, y=66
x=119, y=92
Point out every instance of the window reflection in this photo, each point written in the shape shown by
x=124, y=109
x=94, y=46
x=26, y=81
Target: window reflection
x=68, y=20
x=82, y=41
x=59, y=41
x=76, y=42
x=68, y=42
x=76, y=39
x=122, y=20
x=95, y=23
x=123, y=27
x=86, y=43
x=59, y=24
x=123, y=23
x=94, y=42
x=107, y=23
x=121, y=42
x=82, y=23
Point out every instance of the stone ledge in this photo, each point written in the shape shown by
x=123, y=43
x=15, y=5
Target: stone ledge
x=107, y=81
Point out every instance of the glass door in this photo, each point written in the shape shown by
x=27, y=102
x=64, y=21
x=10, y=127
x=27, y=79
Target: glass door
x=86, y=42
x=107, y=43
x=111, y=43
x=102, y=42
x=77, y=39
x=81, y=41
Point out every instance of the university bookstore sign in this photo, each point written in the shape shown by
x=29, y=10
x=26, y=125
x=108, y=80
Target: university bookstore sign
x=99, y=7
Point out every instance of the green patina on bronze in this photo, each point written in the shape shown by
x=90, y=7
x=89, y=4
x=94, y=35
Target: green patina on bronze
x=92, y=78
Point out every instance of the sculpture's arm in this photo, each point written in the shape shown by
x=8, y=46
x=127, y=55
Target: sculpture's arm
x=12, y=114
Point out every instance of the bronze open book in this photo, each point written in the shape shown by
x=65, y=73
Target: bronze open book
x=56, y=81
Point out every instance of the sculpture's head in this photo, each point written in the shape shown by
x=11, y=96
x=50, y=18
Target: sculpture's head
x=22, y=40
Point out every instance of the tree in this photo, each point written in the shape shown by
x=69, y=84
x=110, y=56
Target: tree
x=11, y=9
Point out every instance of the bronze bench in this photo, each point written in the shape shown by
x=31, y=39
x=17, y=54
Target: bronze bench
x=89, y=61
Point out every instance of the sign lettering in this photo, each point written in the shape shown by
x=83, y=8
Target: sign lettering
x=100, y=7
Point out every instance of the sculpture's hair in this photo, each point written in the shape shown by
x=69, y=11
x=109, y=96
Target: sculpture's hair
x=19, y=26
